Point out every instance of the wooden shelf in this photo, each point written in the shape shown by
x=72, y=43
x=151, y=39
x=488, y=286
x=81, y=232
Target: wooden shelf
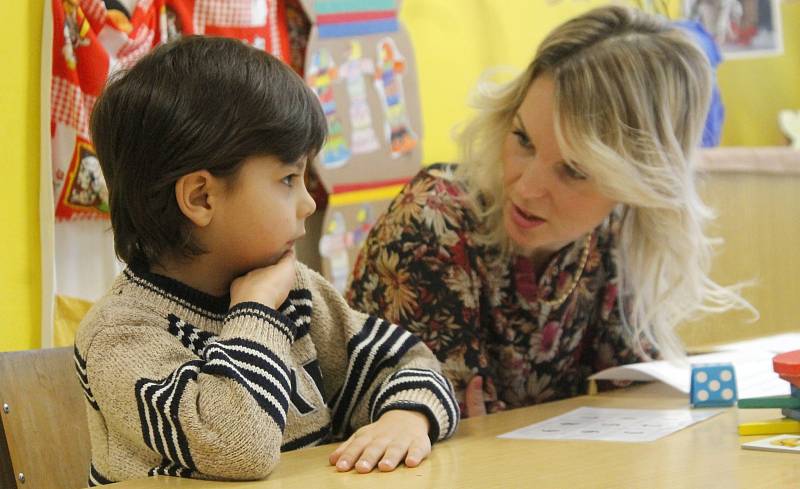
x=765, y=160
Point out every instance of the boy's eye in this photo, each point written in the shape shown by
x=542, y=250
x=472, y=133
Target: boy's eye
x=289, y=180
x=522, y=139
x=573, y=173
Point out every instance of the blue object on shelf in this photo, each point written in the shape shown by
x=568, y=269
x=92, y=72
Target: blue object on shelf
x=716, y=111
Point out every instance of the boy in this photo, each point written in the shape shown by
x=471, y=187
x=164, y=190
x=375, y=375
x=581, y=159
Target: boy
x=214, y=350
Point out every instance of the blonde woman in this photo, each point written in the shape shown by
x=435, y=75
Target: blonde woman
x=570, y=239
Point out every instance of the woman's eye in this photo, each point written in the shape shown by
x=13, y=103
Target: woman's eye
x=522, y=139
x=574, y=173
x=288, y=180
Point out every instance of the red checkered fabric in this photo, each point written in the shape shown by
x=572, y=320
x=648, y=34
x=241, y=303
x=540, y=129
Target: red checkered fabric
x=229, y=13
x=70, y=106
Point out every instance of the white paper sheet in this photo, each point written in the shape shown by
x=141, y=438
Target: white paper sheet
x=779, y=343
x=752, y=362
x=608, y=424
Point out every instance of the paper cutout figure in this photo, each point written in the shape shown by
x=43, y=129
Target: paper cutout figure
x=322, y=74
x=337, y=243
x=389, y=83
x=365, y=219
x=362, y=138
x=333, y=246
x=789, y=120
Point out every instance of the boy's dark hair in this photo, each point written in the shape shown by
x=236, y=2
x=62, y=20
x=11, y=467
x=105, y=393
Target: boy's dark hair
x=193, y=104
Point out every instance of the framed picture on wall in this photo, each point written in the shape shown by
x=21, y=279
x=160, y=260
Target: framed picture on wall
x=741, y=28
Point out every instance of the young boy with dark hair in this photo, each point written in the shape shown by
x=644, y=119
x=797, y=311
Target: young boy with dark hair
x=215, y=350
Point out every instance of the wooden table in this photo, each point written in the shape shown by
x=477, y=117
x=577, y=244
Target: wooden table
x=705, y=455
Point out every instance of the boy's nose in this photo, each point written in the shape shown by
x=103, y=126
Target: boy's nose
x=307, y=204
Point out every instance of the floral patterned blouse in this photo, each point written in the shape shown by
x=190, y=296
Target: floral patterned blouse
x=422, y=267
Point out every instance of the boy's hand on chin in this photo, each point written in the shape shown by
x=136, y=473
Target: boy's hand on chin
x=397, y=436
x=268, y=285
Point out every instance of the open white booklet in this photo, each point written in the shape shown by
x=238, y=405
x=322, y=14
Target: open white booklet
x=752, y=362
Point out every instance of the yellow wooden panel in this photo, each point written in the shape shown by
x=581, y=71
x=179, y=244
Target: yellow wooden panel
x=759, y=219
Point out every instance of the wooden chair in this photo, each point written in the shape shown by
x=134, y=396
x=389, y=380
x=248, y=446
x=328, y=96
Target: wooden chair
x=46, y=439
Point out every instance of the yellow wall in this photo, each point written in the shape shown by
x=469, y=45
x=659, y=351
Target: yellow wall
x=20, y=45
x=455, y=40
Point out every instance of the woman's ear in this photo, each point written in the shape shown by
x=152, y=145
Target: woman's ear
x=195, y=194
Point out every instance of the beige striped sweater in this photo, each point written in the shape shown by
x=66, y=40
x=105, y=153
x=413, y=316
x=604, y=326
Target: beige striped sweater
x=176, y=383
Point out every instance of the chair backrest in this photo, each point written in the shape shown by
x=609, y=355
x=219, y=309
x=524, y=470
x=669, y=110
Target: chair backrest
x=44, y=421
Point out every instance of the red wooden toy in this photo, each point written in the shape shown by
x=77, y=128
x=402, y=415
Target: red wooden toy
x=787, y=363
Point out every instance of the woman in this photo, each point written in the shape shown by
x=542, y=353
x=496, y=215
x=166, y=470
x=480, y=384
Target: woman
x=570, y=239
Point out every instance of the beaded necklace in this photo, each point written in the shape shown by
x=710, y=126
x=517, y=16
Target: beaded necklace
x=576, y=278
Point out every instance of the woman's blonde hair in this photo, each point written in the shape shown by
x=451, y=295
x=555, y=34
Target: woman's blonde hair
x=631, y=97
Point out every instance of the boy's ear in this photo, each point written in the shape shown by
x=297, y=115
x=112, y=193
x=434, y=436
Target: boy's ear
x=196, y=193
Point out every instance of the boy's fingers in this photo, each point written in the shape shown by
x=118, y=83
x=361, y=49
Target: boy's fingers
x=473, y=398
x=371, y=454
x=348, y=457
x=418, y=451
x=334, y=457
x=393, y=456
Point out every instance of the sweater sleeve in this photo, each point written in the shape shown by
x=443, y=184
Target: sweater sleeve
x=371, y=366
x=213, y=409
x=419, y=268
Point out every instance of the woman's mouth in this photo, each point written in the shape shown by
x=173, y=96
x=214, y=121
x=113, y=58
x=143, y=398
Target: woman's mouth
x=525, y=220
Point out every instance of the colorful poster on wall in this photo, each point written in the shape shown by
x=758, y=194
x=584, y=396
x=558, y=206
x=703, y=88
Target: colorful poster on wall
x=741, y=28
x=360, y=63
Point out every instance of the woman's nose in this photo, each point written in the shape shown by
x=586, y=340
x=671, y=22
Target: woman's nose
x=535, y=180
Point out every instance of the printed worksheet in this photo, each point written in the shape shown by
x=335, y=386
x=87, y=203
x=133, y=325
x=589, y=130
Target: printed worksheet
x=608, y=424
x=780, y=443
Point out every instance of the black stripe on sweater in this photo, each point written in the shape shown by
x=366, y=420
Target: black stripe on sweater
x=158, y=402
x=83, y=377
x=412, y=379
x=170, y=469
x=96, y=478
x=297, y=307
x=318, y=437
x=193, y=338
x=265, y=314
x=377, y=346
x=255, y=368
x=438, y=383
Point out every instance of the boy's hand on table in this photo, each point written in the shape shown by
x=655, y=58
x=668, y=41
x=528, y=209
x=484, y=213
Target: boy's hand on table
x=397, y=436
x=268, y=285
